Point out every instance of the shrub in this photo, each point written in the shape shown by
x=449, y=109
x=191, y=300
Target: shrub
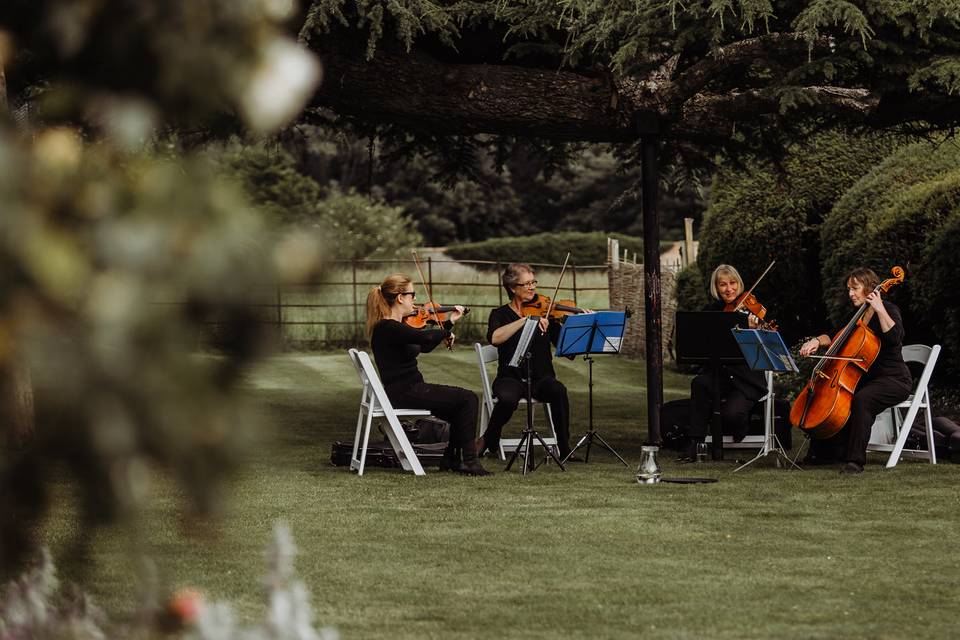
x=547, y=248
x=902, y=213
x=359, y=227
x=691, y=290
x=351, y=225
x=761, y=212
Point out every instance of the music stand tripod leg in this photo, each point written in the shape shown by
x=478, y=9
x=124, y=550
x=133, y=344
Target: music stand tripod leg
x=591, y=432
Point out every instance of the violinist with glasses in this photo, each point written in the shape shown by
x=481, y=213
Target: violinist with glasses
x=503, y=332
x=739, y=387
x=396, y=346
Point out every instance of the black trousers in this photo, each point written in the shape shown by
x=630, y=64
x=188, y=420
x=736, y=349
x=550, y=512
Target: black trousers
x=509, y=392
x=870, y=399
x=734, y=412
x=457, y=406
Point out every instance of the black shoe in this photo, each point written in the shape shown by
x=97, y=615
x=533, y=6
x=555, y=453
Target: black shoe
x=571, y=457
x=814, y=461
x=688, y=451
x=852, y=468
x=472, y=467
x=450, y=460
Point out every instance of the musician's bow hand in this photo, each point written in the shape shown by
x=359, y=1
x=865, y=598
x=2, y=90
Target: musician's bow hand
x=809, y=347
x=544, y=324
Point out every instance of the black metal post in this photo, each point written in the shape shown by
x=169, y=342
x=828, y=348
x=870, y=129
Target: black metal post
x=649, y=151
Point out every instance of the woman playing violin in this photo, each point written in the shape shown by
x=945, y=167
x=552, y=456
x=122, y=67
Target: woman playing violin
x=887, y=382
x=503, y=332
x=739, y=387
x=395, y=349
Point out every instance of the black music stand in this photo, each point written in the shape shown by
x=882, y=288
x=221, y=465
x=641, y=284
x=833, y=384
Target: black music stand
x=587, y=334
x=765, y=351
x=521, y=357
x=705, y=338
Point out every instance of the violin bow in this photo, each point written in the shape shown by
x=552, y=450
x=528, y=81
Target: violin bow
x=553, y=300
x=426, y=287
x=750, y=290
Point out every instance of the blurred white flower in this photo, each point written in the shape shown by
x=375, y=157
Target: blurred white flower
x=278, y=10
x=129, y=122
x=280, y=85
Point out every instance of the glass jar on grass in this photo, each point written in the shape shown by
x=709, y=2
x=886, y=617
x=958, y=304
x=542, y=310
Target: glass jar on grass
x=649, y=471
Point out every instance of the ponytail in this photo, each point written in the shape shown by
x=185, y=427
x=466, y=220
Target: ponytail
x=381, y=298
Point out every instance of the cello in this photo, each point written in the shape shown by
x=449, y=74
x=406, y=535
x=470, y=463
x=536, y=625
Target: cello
x=823, y=407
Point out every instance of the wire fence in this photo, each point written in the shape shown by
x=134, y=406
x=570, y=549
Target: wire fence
x=332, y=311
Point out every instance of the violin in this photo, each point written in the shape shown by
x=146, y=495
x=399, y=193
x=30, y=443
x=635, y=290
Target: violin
x=747, y=302
x=430, y=313
x=823, y=407
x=540, y=306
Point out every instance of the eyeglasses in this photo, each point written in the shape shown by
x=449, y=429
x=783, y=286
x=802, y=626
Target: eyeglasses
x=529, y=284
x=412, y=294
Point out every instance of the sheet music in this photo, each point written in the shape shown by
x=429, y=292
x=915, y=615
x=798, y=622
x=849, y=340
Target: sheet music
x=526, y=336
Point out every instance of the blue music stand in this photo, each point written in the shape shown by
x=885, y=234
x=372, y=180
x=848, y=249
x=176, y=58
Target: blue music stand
x=765, y=351
x=588, y=334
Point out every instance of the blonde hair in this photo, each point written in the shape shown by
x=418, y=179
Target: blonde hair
x=381, y=298
x=724, y=269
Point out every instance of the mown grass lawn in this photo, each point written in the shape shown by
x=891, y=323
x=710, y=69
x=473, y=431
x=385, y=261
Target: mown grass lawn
x=588, y=553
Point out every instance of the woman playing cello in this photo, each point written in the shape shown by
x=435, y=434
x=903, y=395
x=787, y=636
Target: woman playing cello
x=887, y=382
x=739, y=387
x=503, y=332
x=395, y=349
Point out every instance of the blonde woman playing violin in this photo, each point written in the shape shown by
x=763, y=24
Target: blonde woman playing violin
x=503, y=332
x=738, y=386
x=395, y=349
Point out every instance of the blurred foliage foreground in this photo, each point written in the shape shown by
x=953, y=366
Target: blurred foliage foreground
x=119, y=242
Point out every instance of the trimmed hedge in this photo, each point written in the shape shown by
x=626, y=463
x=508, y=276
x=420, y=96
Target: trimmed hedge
x=761, y=211
x=905, y=212
x=547, y=248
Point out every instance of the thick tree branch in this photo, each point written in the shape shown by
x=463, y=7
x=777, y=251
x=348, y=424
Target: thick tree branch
x=701, y=103
x=415, y=90
x=716, y=115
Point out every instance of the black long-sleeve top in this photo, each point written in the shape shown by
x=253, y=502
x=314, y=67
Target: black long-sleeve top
x=396, y=347
x=889, y=361
x=752, y=384
x=541, y=358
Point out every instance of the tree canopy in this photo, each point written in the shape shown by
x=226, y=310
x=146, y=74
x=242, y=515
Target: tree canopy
x=707, y=73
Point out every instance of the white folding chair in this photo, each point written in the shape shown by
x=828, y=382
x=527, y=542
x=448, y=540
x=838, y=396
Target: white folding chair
x=487, y=354
x=755, y=441
x=891, y=428
x=374, y=403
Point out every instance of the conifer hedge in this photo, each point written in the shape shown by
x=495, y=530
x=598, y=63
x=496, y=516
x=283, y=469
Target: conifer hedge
x=762, y=211
x=547, y=248
x=905, y=212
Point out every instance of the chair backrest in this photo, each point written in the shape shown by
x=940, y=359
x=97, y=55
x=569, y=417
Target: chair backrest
x=355, y=359
x=927, y=356
x=486, y=353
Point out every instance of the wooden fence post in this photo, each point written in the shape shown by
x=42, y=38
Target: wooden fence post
x=430, y=274
x=573, y=274
x=356, y=316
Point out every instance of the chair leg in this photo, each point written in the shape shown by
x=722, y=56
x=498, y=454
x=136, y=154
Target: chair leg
x=366, y=440
x=357, y=436
x=553, y=430
x=928, y=418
